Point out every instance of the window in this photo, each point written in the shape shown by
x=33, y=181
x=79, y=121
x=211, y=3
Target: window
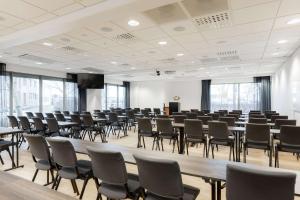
x=121, y=97
x=25, y=95
x=113, y=96
x=52, y=95
x=71, y=96
x=242, y=96
x=4, y=99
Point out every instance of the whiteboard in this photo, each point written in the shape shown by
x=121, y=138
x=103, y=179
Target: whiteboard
x=296, y=96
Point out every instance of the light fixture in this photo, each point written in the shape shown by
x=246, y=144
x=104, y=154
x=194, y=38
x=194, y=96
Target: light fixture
x=180, y=54
x=282, y=41
x=39, y=63
x=162, y=42
x=68, y=68
x=113, y=62
x=275, y=54
x=91, y=72
x=133, y=23
x=48, y=44
x=132, y=68
x=1, y=56
x=294, y=21
x=201, y=68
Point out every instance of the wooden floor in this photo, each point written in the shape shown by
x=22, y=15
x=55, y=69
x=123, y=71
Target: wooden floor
x=258, y=157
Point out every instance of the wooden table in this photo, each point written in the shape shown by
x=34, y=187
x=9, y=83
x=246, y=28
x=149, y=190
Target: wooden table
x=16, y=188
x=15, y=136
x=213, y=171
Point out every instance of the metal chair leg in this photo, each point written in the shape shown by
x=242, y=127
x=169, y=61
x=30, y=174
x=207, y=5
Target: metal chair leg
x=34, y=176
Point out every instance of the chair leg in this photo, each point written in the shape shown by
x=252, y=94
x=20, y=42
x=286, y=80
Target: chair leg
x=83, y=187
x=245, y=153
x=276, y=158
x=144, y=142
x=174, y=141
x=99, y=197
x=230, y=152
x=75, y=186
x=162, y=144
x=11, y=157
x=212, y=151
x=57, y=183
x=270, y=156
x=34, y=176
x=1, y=160
x=187, y=146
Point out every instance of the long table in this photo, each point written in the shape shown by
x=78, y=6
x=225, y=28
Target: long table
x=60, y=123
x=15, y=136
x=16, y=188
x=212, y=171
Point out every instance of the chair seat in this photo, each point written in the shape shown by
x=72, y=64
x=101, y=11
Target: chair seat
x=43, y=165
x=288, y=148
x=190, y=139
x=226, y=142
x=4, y=144
x=119, y=191
x=190, y=193
x=84, y=168
x=257, y=145
x=168, y=136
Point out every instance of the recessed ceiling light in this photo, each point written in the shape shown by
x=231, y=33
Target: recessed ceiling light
x=294, y=21
x=132, y=68
x=48, y=44
x=180, y=54
x=162, y=42
x=179, y=28
x=91, y=72
x=201, y=68
x=39, y=63
x=282, y=41
x=113, y=62
x=133, y=22
x=1, y=56
x=106, y=29
x=275, y=54
x=68, y=68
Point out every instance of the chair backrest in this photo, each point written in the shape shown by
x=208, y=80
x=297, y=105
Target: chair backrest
x=108, y=166
x=200, y=113
x=76, y=118
x=191, y=115
x=280, y=122
x=13, y=121
x=76, y=113
x=257, y=116
x=162, y=116
x=205, y=119
x=113, y=117
x=49, y=115
x=40, y=115
x=274, y=117
x=38, y=124
x=215, y=116
x=160, y=177
x=144, y=125
x=224, y=111
x=29, y=115
x=87, y=120
x=97, y=111
x=184, y=111
x=290, y=135
x=164, y=126
x=63, y=152
x=235, y=115
x=86, y=113
x=258, y=132
x=269, y=115
x=193, y=128
x=156, y=111
x=230, y=120
x=206, y=111
x=101, y=115
x=52, y=125
x=218, y=130
x=237, y=111
x=130, y=114
x=176, y=113
x=179, y=118
x=145, y=112
x=24, y=122
x=194, y=110
x=56, y=112
x=38, y=146
x=60, y=117
x=258, y=120
x=251, y=184
x=66, y=113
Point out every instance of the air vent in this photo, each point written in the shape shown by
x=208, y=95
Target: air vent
x=209, y=60
x=92, y=69
x=125, y=37
x=36, y=59
x=217, y=20
x=64, y=39
x=70, y=49
x=230, y=55
x=169, y=72
x=227, y=53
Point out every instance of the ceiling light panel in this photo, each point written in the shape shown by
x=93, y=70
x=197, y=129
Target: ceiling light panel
x=204, y=7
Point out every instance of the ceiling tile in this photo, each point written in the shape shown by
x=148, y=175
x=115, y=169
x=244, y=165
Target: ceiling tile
x=289, y=7
x=90, y=2
x=179, y=28
x=237, y=4
x=68, y=9
x=23, y=25
x=150, y=33
x=9, y=20
x=144, y=21
x=282, y=22
x=50, y=5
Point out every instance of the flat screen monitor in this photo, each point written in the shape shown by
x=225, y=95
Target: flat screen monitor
x=90, y=81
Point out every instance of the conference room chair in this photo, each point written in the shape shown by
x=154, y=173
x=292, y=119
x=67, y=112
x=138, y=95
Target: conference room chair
x=29, y=115
x=243, y=183
x=215, y=116
x=41, y=156
x=200, y=113
x=92, y=129
x=177, y=113
x=54, y=130
x=205, y=119
x=145, y=113
x=255, y=111
x=39, y=126
x=56, y=112
x=162, y=180
x=218, y=134
x=75, y=113
x=235, y=115
x=26, y=126
x=49, y=115
x=119, y=112
x=194, y=110
x=281, y=122
x=145, y=130
x=4, y=146
x=131, y=120
x=97, y=111
x=205, y=111
x=257, y=116
x=115, y=124
x=274, y=117
x=179, y=118
x=13, y=121
x=237, y=111
x=269, y=115
x=67, y=165
x=289, y=141
x=157, y=111
x=40, y=115
x=191, y=115
x=193, y=132
x=258, y=120
x=78, y=128
x=224, y=111
x=109, y=167
x=86, y=113
x=162, y=116
x=230, y=120
x=166, y=131
x=137, y=110
x=60, y=117
x=185, y=111
x=66, y=113
x=257, y=136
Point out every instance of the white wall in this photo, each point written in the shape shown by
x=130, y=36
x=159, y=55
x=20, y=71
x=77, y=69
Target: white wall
x=155, y=93
x=93, y=99
x=286, y=88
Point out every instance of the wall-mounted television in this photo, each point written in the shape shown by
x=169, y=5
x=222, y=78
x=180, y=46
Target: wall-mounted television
x=90, y=81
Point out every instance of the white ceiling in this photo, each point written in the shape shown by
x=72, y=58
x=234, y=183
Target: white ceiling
x=90, y=34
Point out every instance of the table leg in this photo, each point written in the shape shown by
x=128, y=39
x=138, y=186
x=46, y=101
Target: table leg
x=219, y=188
x=181, y=140
x=15, y=162
x=213, y=190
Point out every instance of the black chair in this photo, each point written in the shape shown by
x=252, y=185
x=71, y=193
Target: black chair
x=205, y=119
x=256, y=116
x=219, y=134
x=66, y=113
x=41, y=155
x=215, y=116
x=191, y=115
x=29, y=115
x=281, y=122
x=194, y=110
x=244, y=183
x=166, y=131
x=75, y=113
x=230, y=120
x=60, y=117
x=269, y=115
x=179, y=118
x=13, y=121
x=91, y=129
x=115, y=124
x=162, y=180
x=237, y=111
x=110, y=168
x=258, y=137
x=4, y=146
x=131, y=121
x=49, y=115
x=235, y=115
x=39, y=126
x=258, y=120
x=274, y=117
x=78, y=128
x=289, y=141
x=145, y=130
x=56, y=112
x=156, y=111
x=193, y=131
x=67, y=165
x=40, y=115
x=25, y=124
x=97, y=111
x=54, y=130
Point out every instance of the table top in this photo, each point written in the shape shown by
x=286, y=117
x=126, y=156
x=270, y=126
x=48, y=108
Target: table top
x=60, y=123
x=16, y=188
x=189, y=165
x=8, y=130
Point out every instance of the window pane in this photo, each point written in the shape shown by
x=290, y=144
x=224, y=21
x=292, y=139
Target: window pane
x=71, y=96
x=25, y=95
x=223, y=96
x=4, y=99
x=52, y=95
x=121, y=97
x=249, y=97
x=112, y=96
x=103, y=98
